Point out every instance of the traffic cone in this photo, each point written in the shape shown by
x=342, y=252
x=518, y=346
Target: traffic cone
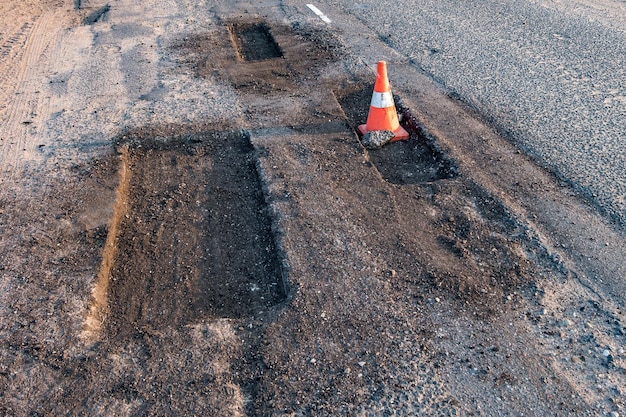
x=382, y=115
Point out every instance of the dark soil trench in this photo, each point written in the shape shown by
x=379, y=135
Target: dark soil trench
x=194, y=239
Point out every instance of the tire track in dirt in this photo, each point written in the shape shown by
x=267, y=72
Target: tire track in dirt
x=14, y=43
x=17, y=25
x=28, y=104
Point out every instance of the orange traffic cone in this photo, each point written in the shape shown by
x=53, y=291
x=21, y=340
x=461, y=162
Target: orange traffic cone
x=382, y=115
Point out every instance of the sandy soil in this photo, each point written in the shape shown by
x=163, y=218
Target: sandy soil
x=189, y=225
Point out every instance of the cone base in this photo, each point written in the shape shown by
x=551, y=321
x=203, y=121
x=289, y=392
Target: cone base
x=400, y=133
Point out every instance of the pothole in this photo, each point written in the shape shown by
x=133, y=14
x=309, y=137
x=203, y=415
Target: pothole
x=243, y=53
x=254, y=41
x=191, y=238
x=413, y=161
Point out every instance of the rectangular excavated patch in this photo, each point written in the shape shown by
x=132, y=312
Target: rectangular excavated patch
x=254, y=41
x=413, y=161
x=191, y=239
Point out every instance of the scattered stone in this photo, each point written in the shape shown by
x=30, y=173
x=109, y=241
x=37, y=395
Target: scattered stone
x=375, y=139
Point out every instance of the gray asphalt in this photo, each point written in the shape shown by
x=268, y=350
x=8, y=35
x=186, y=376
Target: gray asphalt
x=552, y=78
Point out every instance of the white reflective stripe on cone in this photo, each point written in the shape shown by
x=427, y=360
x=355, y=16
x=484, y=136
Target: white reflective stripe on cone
x=382, y=100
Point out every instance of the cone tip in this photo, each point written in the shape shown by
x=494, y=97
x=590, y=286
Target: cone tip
x=382, y=81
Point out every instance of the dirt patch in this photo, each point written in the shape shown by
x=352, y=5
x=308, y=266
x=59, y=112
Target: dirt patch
x=375, y=262
x=191, y=239
x=261, y=57
x=489, y=245
x=469, y=246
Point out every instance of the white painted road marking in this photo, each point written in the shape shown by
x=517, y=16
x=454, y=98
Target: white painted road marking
x=319, y=13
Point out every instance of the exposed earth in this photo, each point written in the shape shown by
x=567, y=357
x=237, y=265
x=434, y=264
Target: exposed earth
x=190, y=225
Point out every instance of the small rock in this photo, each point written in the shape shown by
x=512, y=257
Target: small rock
x=614, y=414
x=361, y=364
x=313, y=361
x=375, y=139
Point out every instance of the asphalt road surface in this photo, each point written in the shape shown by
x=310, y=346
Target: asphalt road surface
x=550, y=74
